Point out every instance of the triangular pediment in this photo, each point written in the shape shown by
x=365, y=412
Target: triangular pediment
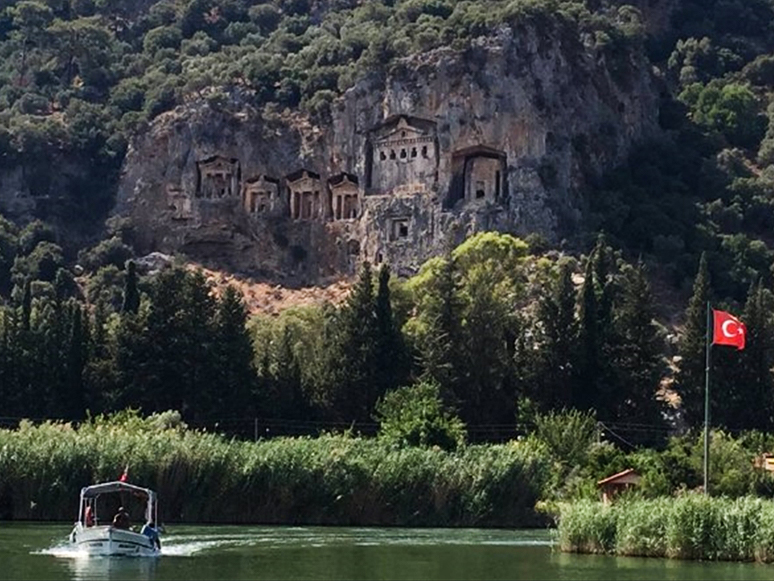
x=302, y=174
x=343, y=180
x=403, y=127
x=218, y=161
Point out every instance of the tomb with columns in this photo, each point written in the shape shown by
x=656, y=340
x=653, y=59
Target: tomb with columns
x=344, y=196
x=402, y=152
x=217, y=177
x=479, y=174
x=305, y=195
x=260, y=194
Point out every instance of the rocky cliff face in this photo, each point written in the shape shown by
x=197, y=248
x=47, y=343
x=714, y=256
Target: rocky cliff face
x=499, y=137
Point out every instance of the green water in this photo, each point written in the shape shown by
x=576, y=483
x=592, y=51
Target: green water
x=38, y=551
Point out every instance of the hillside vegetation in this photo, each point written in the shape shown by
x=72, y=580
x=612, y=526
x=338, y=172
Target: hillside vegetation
x=504, y=328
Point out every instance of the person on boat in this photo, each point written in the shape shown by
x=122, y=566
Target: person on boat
x=121, y=520
x=88, y=516
x=149, y=530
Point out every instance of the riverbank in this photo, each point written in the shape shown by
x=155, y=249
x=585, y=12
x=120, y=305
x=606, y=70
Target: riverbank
x=687, y=527
x=330, y=480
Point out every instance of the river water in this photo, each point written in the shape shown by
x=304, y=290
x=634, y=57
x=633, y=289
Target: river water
x=39, y=552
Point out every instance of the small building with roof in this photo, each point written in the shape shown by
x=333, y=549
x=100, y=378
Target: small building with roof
x=613, y=485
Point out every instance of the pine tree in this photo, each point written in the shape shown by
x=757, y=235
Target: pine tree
x=194, y=332
x=352, y=367
x=689, y=381
x=638, y=362
x=234, y=374
x=441, y=348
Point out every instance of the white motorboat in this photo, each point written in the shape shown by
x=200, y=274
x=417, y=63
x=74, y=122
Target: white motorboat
x=115, y=537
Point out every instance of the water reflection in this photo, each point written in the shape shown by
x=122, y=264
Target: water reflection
x=84, y=568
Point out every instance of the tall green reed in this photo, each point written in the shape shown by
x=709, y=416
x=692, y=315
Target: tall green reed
x=333, y=479
x=688, y=527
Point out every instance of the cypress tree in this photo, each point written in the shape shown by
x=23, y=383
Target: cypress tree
x=390, y=351
x=9, y=386
x=585, y=389
x=553, y=378
x=753, y=383
x=26, y=305
x=76, y=362
x=131, y=292
x=689, y=381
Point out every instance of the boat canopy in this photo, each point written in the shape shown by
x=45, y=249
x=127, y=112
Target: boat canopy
x=117, y=486
x=89, y=495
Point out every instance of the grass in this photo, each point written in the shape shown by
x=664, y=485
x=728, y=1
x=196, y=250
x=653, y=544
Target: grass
x=688, y=527
x=333, y=479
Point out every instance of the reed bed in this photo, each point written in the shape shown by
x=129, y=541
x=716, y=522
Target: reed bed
x=692, y=526
x=333, y=479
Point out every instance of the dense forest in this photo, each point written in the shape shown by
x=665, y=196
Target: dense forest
x=496, y=331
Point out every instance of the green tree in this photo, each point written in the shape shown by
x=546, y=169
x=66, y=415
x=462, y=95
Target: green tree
x=689, y=382
x=556, y=354
x=234, y=375
x=438, y=327
x=352, y=366
x=748, y=390
x=77, y=352
x=389, y=350
x=732, y=110
x=585, y=390
x=637, y=361
x=131, y=301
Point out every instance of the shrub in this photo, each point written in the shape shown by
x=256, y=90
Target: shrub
x=567, y=434
x=416, y=416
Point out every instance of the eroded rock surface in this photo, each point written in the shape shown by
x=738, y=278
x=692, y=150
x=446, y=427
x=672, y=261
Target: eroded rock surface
x=499, y=137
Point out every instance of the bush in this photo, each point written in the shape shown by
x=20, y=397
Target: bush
x=416, y=416
x=567, y=434
x=110, y=252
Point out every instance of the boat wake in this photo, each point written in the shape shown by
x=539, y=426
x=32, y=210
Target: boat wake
x=64, y=550
x=190, y=544
x=190, y=547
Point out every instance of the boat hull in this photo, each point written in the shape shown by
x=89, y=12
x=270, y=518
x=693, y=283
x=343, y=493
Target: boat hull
x=107, y=541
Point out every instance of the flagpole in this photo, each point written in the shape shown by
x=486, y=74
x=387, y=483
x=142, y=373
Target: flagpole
x=708, y=348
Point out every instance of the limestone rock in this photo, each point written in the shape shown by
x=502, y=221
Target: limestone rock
x=499, y=137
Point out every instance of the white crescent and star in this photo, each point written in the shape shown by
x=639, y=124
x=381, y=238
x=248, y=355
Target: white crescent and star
x=726, y=328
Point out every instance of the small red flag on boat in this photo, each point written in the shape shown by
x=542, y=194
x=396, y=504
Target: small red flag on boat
x=125, y=475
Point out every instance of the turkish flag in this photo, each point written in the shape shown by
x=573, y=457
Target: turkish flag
x=728, y=330
x=125, y=475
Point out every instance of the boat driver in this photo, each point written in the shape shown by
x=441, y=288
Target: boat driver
x=121, y=520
